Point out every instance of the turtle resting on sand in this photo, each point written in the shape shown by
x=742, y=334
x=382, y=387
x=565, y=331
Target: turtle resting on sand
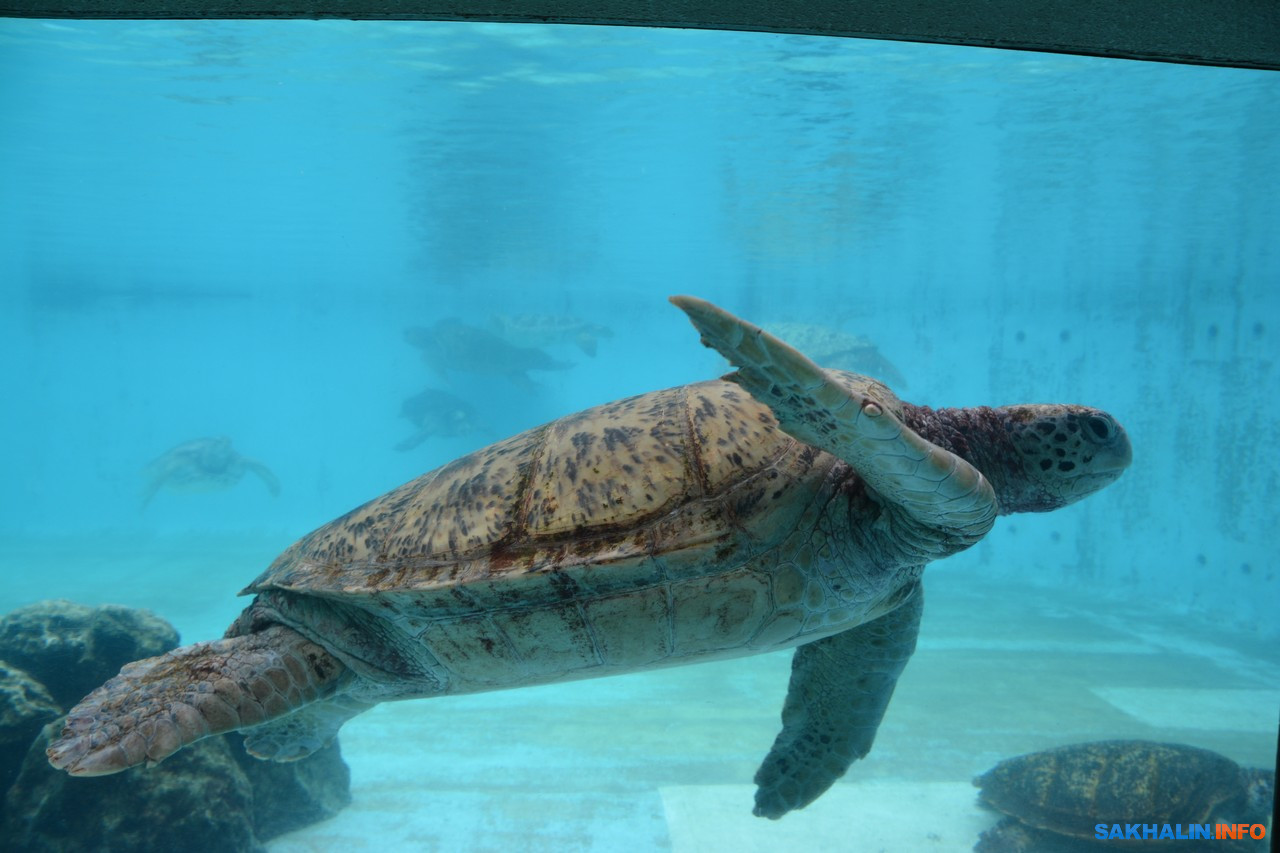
x=1057, y=799
x=783, y=506
x=203, y=465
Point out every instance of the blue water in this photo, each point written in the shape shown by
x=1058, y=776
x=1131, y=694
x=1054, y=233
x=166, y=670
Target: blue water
x=224, y=228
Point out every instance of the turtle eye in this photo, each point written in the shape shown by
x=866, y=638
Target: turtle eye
x=1101, y=427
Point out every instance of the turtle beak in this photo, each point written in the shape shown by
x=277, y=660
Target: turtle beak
x=1113, y=453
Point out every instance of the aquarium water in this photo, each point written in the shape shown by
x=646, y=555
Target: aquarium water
x=219, y=238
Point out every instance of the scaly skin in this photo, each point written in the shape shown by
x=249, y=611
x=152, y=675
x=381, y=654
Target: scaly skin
x=840, y=689
x=154, y=707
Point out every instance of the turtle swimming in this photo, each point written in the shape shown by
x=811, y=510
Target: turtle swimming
x=450, y=346
x=782, y=506
x=536, y=330
x=1055, y=799
x=203, y=465
x=836, y=348
x=437, y=413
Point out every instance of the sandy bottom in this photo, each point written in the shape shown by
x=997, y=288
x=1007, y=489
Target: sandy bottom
x=664, y=760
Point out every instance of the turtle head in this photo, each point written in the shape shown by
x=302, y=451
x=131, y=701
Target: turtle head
x=1056, y=455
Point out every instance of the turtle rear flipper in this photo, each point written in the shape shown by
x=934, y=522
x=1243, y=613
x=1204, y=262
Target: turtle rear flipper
x=840, y=688
x=307, y=730
x=156, y=706
x=813, y=405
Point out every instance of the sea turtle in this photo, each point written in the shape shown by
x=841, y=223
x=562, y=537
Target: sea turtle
x=782, y=506
x=437, y=413
x=537, y=330
x=1056, y=799
x=839, y=349
x=451, y=346
x=202, y=465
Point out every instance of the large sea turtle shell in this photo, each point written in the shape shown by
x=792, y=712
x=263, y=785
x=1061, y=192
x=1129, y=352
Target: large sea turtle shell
x=618, y=497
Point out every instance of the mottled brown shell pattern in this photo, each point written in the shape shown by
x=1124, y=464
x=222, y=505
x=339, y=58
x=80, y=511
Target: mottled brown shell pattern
x=1071, y=788
x=617, y=483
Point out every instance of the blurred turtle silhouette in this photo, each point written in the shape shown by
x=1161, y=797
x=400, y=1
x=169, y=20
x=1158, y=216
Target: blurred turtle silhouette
x=833, y=347
x=535, y=330
x=437, y=413
x=202, y=465
x=450, y=346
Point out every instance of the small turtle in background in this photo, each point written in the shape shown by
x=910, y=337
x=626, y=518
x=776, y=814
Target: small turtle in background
x=437, y=413
x=1054, y=799
x=450, y=346
x=203, y=465
x=537, y=330
x=841, y=350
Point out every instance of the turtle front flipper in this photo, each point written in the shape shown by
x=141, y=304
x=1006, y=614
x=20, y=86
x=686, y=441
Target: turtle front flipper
x=156, y=706
x=815, y=406
x=840, y=688
x=149, y=491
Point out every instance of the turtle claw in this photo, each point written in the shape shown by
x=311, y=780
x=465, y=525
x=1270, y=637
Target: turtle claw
x=74, y=754
x=81, y=756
